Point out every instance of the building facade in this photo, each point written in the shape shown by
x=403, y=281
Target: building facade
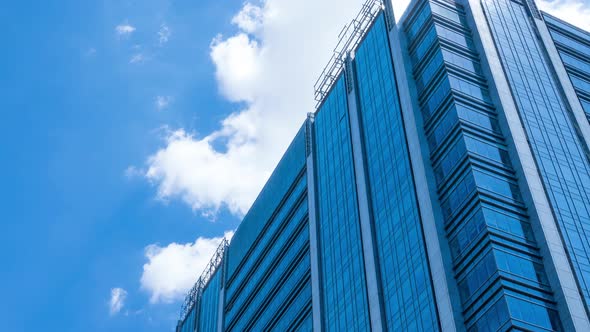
x=441, y=184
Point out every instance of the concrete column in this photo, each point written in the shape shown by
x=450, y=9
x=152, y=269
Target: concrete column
x=316, y=295
x=369, y=254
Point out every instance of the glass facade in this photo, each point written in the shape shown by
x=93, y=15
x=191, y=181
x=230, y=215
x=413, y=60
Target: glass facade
x=486, y=222
x=573, y=45
x=558, y=149
x=209, y=304
x=188, y=324
x=201, y=308
x=404, y=275
x=345, y=190
x=344, y=291
x=268, y=281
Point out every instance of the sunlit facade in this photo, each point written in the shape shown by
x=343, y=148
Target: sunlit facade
x=442, y=183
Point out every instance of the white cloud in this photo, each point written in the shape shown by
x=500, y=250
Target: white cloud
x=164, y=34
x=270, y=64
x=172, y=270
x=162, y=102
x=204, y=178
x=137, y=58
x=576, y=12
x=250, y=18
x=124, y=29
x=238, y=66
x=118, y=297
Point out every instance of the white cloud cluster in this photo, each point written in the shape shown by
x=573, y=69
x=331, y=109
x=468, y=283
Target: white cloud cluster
x=118, y=297
x=576, y=12
x=172, y=270
x=250, y=18
x=204, y=178
x=270, y=65
x=124, y=29
x=238, y=66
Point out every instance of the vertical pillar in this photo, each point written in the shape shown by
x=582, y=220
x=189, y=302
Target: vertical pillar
x=316, y=300
x=446, y=292
x=369, y=255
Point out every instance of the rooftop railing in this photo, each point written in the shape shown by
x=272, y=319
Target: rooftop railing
x=348, y=40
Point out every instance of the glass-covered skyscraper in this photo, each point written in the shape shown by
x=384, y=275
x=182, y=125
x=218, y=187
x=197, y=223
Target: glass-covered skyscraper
x=442, y=183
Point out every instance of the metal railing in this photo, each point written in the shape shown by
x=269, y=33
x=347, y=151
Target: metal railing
x=348, y=40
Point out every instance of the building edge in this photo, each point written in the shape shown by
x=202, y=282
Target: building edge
x=366, y=224
x=316, y=294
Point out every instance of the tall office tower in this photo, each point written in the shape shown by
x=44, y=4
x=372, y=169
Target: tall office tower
x=442, y=183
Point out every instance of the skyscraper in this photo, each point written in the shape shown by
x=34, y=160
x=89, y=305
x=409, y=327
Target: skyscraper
x=442, y=183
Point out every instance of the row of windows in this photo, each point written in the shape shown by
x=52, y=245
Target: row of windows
x=580, y=83
x=493, y=319
x=264, y=250
x=567, y=29
x=299, y=309
x=288, y=301
x=244, y=314
x=479, y=274
x=487, y=219
x=417, y=22
x=570, y=42
x=274, y=255
x=575, y=62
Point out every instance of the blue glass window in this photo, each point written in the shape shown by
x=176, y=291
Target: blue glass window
x=404, y=272
x=485, y=219
x=343, y=277
x=269, y=265
x=557, y=147
x=209, y=304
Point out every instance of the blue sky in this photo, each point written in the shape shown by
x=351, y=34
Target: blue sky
x=134, y=135
x=75, y=115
